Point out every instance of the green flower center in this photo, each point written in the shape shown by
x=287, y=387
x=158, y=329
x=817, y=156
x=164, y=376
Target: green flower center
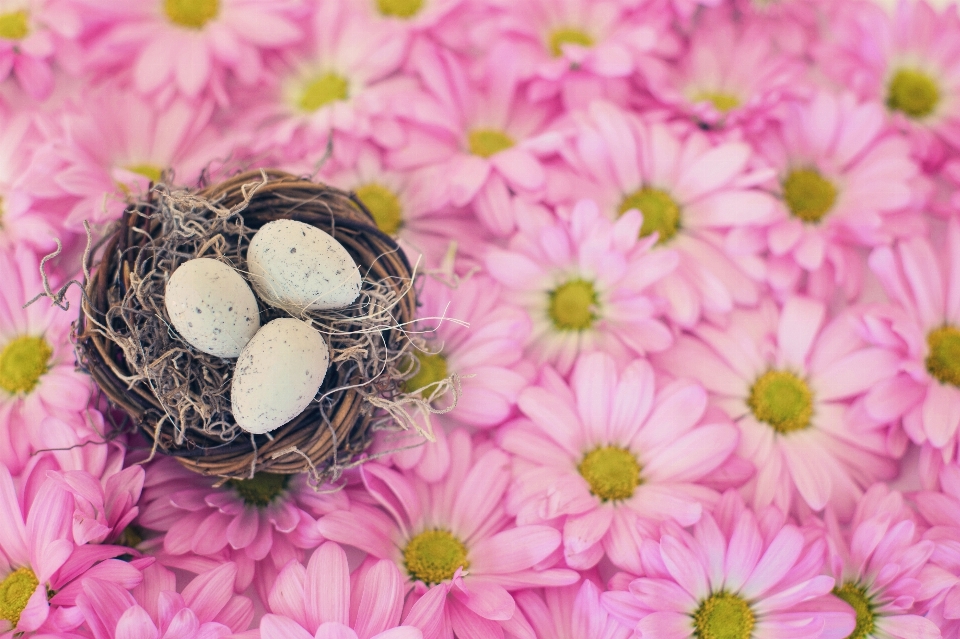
x=383, y=205
x=567, y=35
x=913, y=92
x=322, y=90
x=152, y=172
x=613, y=473
x=193, y=14
x=14, y=25
x=723, y=616
x=723, y=102
x=15, y=592
x=487, y=142
x=572, y=305
x=399, y=8
x=433, y=556
x=22, y=362
x=856, y=596
x=661, y=213
x=433, y=368
x=943, y=361
x=782, y=400
x=131, y=537
x=261, y=490
x=808, y=195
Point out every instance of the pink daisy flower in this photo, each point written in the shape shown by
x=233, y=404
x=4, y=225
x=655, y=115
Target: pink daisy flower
x=104, y=506
x=190, y=47
x=206, y=608
x=460, y=553
x=923, y=333
x=738, y=574
x=790, y=383
x=844, y=180
x=570, y=612
x=608, y=454
x=322, y=600
x=29, y=30
x=697, y=198
x=260, y=523
x=585, y=284
x=485, y=135
x=878, y=563
x=38, y=377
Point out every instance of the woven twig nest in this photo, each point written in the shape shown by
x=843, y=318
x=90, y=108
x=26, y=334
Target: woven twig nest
x=179, y=397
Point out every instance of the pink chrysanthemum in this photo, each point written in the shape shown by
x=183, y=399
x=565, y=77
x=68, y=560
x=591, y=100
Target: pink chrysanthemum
x=37, y=364
x=738, y=574
x=460, y=553
x=190, y=46
x=585, y=284
x=29, y=30
x=205, y=608
x=570, y=612
x=608, y=454
x=104, y=506
x=923, y=332
x=790, y=383
x=322, y=600
x=844, y=180
x=878, y=563
x=260, y=523
x=697, y=198
x=909, y=60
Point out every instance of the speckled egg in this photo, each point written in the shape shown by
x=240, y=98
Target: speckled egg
x=212, y=307
x=278, y=374
x=296, y=266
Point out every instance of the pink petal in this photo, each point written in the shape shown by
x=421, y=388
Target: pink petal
x=469, y=625
x=209, y=592
x=334, y=630
x=909, y=627
x=36, y=611
x=812, y=479
x=800, y=321
x=327, y=587
x=381, y=599
x=136, y=624
x=277, y=627
x=941, y=413
x=712, y=169
x=779, y=558
x=519, y=167
x=486, y=599
x=357, y=529
x=729, y=208
x=514, y=549
x=483, y=489
x=666, y=625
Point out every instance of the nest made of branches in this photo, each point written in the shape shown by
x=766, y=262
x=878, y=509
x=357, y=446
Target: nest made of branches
x=180, y=396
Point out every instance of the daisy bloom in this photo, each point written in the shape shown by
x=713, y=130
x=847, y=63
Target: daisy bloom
x=790, y=382
x=698, y=199
x=609, y=453
x=190, y=46
x=923, y=332
x=38, y=376
x=844, y=180
x=585, y=284
x=259, y=523
x=29, y=30
x=739, y=575
x=459, y=552
x=206, y=608
x=320, y=600
x=570, y=612
x=878, y=563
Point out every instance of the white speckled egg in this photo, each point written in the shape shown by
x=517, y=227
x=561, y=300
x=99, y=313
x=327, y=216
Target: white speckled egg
x=278, y=374
x=295, y=266
x=212, y=307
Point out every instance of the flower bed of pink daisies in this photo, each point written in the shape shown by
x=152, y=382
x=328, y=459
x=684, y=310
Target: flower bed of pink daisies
x=709, y=256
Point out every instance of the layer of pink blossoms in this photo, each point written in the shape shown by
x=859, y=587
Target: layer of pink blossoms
x=693, y=265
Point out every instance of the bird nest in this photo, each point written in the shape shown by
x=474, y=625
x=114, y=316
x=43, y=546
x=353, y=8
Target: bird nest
x=180, y=397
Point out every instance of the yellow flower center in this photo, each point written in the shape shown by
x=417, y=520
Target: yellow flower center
x=152, y=172
x=14, y=25
x=322, y=90
x=572, y=305
x=723, y=102
x=193, y=14
x=567, y=35
x=433, y=368
x=433, y=556
x=913, y=92
x=22, y=362
x=943, y=360
x=487, y=142
x=782, y=400
x=613, y=473
x=261, y=490
x=856, y=596
x=723, y=616
x=15, y=592
x=131, y=537
x=399, y=8
x=808, y=195
x=661, y=213
x=383, y=205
